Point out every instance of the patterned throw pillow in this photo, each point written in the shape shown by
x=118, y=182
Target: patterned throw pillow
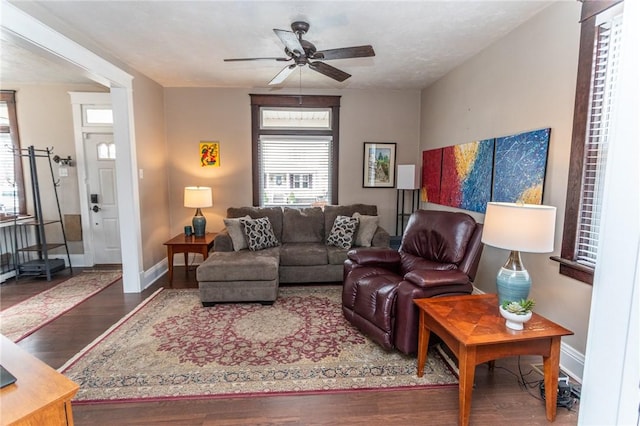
x=259, y=233
x=342, y=231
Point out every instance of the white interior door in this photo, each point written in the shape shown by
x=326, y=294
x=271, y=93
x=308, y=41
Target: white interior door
x=101, y=190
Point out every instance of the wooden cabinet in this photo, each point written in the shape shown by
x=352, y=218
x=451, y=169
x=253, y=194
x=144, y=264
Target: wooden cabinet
x=40, y=395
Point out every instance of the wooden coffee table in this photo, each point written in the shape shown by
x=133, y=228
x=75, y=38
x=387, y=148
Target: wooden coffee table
x=40, y=395
x=188, y=244
x=474, y=330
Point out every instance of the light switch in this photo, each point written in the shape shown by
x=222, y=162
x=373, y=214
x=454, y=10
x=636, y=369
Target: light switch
x=63, y=171
x=141, y=173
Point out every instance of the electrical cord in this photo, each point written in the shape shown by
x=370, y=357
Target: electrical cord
x=568, y=393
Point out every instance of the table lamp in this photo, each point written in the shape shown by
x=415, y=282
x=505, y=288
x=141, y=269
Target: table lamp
x=519, y=228
x=198, y=197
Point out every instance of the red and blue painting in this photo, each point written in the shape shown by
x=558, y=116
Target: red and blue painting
x=468, y=176
x=460, y=175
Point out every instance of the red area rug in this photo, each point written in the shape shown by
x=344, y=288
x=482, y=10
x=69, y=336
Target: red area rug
x=24, y=318
x=173, y=348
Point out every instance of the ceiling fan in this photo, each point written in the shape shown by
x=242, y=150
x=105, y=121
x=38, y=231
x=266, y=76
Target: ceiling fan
x=302, y=52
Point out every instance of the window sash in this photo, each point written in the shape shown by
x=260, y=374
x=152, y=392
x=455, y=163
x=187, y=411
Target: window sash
x=585, y=167
x=295, y=118
x=12, y=192
x=294, y=170
x=606, y=58
x=308, y=102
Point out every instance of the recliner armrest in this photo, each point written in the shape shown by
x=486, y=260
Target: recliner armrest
x=432, y=278
x=374, y=257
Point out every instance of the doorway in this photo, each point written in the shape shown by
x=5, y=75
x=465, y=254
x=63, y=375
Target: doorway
x=41, y=39
x=99, y=154
x=93, y=129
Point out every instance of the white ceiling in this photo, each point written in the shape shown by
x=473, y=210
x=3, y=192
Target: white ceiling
x=183, y=43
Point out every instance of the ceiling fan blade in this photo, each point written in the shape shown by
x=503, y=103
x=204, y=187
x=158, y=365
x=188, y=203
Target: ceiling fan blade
x=329, y=71
x=282, y=75
x=346, y=52
x=257, y=59
x=290, y=41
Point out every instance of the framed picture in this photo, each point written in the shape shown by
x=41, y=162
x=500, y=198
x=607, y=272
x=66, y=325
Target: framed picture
x=209, y=154
x=379, y=165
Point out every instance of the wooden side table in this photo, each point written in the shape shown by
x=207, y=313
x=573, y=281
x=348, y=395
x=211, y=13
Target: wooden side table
x=188, y=244
x=472, y=327
x=40, y=395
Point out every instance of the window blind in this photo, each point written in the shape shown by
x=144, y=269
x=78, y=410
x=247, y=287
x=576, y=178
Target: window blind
x=294, y=170
x=606, y=57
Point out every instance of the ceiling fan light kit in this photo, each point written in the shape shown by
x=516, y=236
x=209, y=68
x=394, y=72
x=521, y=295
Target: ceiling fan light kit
x=303, y=52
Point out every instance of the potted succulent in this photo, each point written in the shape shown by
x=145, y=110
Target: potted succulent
x=517, y=313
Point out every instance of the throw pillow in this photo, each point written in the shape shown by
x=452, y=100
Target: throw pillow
x=234, y=228
x=342, y=231
x=367, y=226
x=259, y=233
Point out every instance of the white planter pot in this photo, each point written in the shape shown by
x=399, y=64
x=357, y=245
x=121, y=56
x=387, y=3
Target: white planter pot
x=515, y=321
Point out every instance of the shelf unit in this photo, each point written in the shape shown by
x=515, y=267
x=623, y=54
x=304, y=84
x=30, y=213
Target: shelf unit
x=32, y=254
x=401, y=213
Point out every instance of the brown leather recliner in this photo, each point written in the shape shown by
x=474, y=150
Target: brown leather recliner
x=438, y=256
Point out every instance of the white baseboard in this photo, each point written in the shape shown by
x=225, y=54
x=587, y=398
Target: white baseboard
x=152, y=274
x=6, y=276
x=77, y=260
x=571, y=360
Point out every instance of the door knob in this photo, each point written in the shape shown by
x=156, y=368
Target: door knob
x=96, y=209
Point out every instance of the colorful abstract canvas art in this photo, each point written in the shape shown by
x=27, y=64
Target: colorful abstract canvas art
x=466, y=175
x=520, y=167
x=431, y=173
x=209, y=154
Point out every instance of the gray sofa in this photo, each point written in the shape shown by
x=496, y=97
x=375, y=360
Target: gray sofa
x=233, y=273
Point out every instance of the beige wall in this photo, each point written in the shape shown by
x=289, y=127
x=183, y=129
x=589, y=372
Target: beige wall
x=523, y=82
x=224, y=115
x=45, y=121
x=151, y=152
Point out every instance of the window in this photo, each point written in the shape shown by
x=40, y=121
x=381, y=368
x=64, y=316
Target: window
x=12, y=197
x=295, y=150
x=598, y=64
x=106, y=151
x=97, y=115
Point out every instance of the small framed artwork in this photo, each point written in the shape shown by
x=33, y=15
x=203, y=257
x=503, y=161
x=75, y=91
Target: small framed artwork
x=210, y=154
x=379, y=165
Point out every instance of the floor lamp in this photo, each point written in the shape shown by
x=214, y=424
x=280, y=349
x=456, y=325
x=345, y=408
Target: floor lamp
x=519, y=228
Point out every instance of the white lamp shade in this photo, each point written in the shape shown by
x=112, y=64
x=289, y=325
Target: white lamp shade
x=197, y=196
x=521, y=227
x=408, y=177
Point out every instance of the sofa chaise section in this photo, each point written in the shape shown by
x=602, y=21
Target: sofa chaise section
x=302, y=256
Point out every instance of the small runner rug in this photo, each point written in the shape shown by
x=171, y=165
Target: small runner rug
x=171, y=347
x=24, y=318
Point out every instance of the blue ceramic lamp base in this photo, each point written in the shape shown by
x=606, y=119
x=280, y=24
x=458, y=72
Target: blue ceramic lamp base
x=513, y=280
x=199, y=224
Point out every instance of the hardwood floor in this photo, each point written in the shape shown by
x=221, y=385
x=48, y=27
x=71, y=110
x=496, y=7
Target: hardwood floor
x=498, y=398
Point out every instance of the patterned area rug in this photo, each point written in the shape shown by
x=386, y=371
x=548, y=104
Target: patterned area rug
x=24, y=318
x=173, y=348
